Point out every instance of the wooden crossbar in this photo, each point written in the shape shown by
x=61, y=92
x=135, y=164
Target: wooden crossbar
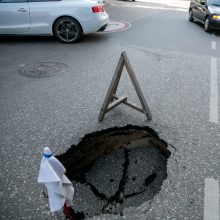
x=132, y=105
x=116, y=103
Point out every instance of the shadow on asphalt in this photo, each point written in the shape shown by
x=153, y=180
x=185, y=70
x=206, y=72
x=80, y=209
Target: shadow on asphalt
x=90, y=38
x=217, y=33
x=95, y=38
x=27, y=39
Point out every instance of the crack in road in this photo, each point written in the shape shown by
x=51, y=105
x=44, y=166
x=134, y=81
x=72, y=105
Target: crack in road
x=118, y=198
x=116, y=201
x=116, y=165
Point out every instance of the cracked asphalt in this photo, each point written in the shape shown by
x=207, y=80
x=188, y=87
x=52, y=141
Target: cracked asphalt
x=172, y=65
x=116, y=168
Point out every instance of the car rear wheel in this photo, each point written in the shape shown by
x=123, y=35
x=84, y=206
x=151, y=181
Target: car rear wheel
x=191, y=18
x=207, y=25
x=67, y=30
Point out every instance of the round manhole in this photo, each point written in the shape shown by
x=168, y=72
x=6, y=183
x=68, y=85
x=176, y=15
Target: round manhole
x=114, y=26
x=42, y=69
x=115, y=169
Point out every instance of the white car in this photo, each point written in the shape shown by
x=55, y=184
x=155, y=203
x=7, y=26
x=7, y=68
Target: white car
x=67, y=20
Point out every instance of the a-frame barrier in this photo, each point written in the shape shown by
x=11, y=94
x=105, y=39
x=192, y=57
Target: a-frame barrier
x=111, y=99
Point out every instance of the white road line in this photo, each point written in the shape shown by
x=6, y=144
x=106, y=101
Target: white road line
x=213, y=113
x=213, y=34
x=211, y=200
x=213, y=45
x=160, y=8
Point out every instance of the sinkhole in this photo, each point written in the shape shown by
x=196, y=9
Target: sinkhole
x=114, y=169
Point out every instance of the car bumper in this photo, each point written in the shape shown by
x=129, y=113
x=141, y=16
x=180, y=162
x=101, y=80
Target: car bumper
x=215, y=24
x=103, y=27
x=97, y=23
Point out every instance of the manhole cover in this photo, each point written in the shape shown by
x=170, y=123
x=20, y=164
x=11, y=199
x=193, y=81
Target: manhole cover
x=42, y=69
x=114, y=26
x=115, y=169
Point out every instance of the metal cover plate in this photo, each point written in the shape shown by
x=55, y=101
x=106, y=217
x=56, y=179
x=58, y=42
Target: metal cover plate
x=42, y=69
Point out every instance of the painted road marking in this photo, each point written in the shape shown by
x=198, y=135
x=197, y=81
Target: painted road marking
x=211, y=200
x=152, y=7
x=161, y=8
x=213, y=34
x=114, y=26
x=213, y=113
x=213, y=45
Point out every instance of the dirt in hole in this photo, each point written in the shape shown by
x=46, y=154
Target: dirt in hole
x=115, y=169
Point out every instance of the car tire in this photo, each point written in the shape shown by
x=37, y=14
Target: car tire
x=206, y=25
x=191, y=18
x=67, y=30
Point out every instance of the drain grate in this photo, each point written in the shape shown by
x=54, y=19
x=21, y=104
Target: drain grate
x=115, y=169
x=42, y=69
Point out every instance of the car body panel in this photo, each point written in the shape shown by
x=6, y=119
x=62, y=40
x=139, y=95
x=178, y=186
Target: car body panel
x=195, y=8
x=14, y=18
x=42, y=16
x=202, y=12
x=98, y=21
x=215, y=24
x=206, y=10
x=43, y=19
x=214, y=9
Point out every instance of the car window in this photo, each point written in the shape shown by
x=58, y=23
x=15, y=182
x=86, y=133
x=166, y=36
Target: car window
x=215, y=2
x=12, y=1
x=43, y=0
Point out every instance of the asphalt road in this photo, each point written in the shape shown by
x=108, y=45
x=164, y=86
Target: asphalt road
x=177, y=65
x=166, y=29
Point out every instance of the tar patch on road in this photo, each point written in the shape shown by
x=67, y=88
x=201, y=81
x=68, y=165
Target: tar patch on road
x=115, y=169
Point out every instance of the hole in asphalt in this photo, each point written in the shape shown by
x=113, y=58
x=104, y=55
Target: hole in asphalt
x=116, y=168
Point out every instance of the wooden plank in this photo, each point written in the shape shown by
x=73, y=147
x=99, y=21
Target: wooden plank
x=135, y=107
x=131, y=105
x=117, y=102
x=112, y=88
x=136, y=86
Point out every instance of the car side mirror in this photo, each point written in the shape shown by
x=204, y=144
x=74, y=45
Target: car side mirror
x=202, y=2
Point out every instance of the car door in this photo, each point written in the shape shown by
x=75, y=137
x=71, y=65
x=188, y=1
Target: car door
x=194, y=6
x=202, y=7
x=14, y=17
x=43, y=13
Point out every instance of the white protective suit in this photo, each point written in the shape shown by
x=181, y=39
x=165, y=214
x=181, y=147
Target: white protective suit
x=59, y=187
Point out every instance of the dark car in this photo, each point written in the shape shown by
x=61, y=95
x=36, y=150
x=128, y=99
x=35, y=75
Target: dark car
x=207, y=12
